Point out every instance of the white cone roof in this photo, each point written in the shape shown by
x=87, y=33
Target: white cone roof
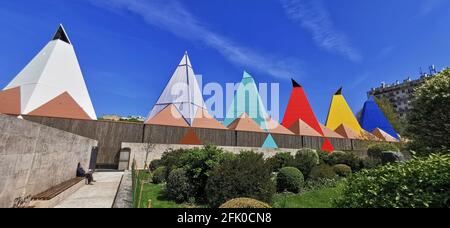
x=183, y=91
x=54, y=71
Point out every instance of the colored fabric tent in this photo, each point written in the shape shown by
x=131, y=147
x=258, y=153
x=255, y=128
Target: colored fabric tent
x=372, y=117
x=247, y=100
x=299, y=108
x=347, y=132
x=183, y=91
x=340, y=113
x=52, y=84
x=184, y=94
x=245, y=123
x=382, y=135
x=270, y=143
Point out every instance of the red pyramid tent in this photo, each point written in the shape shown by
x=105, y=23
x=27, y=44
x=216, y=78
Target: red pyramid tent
x=299, y=108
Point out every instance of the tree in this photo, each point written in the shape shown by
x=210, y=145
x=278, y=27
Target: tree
x=386, y=107
x=429, y=120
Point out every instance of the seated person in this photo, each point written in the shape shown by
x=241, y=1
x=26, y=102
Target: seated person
x=82, y=173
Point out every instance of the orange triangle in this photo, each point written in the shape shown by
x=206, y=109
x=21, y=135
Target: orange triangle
x=190, y=138
x=204, y=120
x=369, y=136
x=10, y=101
x=63, y=106
x=347, y=132
x=301, y=128
x=169, y=116
x=383, y=135
x=276, y=128
x=245, y=123
x=330, y=133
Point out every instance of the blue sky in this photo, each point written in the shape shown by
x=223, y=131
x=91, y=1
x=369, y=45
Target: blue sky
x=129, y=48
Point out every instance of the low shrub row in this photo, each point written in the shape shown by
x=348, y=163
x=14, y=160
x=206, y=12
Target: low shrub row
x=419, y=183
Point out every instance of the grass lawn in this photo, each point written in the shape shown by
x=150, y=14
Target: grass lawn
x=155, y=193
x=321, y=198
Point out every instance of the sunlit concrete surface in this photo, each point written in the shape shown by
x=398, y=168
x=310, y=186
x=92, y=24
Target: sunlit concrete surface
x=99, y=195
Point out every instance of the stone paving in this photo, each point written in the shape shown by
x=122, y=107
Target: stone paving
x=99, y=195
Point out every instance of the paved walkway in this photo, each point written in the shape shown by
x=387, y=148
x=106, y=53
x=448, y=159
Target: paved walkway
x=99, y=195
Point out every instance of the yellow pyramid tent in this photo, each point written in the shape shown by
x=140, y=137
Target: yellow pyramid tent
x=340, y=113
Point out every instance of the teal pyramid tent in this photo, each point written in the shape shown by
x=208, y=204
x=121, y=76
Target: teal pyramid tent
x=270, y=143
x=247, y=100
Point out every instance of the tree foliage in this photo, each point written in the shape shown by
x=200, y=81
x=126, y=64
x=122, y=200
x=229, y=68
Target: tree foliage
x=429, y=120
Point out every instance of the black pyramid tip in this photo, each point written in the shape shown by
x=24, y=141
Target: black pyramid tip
x=295, y=84
x=339, y=92
x=61, y=35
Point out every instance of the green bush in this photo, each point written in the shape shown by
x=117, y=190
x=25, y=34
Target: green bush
x=198, y=164
x=178, y=186
x=370, y=163
x=419, y=183
x=376, y=150
x=171, y=159
x=339, y=157
x=159, y=175
x=280, y=160
x=154, y=165
x=245, y=176
x=322, y=171
x=290, y=179
x=305, y=160
x=342, y=170
x=244, y=203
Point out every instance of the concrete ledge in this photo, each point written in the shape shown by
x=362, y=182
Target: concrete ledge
x=124, y=197
x=59, y=198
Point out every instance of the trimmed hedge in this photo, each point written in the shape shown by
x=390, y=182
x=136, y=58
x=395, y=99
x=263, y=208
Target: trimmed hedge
x=322, y=171
x=290, y=179
x=244, y=203
x=342, y=170
x=159, y=175
x=280, y=160
x=346, y=158
x=178, y=186
x=419, y=183
x=154, y=165
x=246, y=176
x=305, y=160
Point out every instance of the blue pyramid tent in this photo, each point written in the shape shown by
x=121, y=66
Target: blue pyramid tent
x=372, y=117
x=247, y=101
x=270, y=143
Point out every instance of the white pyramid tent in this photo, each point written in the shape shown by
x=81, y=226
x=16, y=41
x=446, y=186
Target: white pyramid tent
x=182, y=91
x=52, y=84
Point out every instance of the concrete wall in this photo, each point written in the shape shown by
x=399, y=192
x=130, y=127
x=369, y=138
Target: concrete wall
x=139, y=151
x=111, y=135
x=34, y=158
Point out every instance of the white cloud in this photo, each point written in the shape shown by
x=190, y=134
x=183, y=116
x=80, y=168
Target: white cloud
x=313, y=16
x=172, y=16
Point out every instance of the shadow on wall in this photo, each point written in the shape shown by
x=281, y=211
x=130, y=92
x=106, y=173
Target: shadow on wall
x=34, y=158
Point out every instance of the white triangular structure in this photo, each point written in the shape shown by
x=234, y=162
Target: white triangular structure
x=183, y=91
x=54, y=77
